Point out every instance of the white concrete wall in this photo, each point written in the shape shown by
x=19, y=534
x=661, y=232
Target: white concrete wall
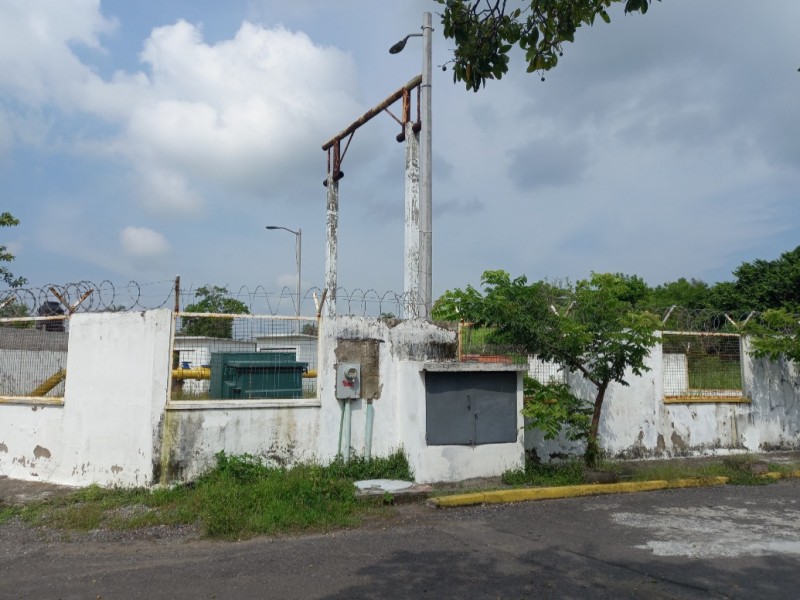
x=115, y=425
x=107, y=427
x=636, y=423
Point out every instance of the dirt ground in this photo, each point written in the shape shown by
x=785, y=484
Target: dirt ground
x=14, y=492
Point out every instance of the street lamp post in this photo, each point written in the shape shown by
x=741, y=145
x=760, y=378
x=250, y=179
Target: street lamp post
x=298, y=249
x=425, y=169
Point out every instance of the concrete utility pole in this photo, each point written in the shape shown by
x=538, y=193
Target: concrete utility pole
x=412, y=268
x=332, y=240
x=418, y=259
x=426, y=171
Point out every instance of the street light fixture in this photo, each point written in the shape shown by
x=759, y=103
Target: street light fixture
x=298, y=248
x=398, y=47
x=425, y=170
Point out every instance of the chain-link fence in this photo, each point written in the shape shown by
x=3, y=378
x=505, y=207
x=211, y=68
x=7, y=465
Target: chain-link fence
x=33, y=357
x=701, y=365
x=478, y=344
x=246, y=357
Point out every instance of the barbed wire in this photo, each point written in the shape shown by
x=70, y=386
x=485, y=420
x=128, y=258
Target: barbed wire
x=87, y=296
x=105, y=296
x=675, y=318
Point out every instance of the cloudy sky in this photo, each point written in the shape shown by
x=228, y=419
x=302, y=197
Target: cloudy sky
x=140, y=140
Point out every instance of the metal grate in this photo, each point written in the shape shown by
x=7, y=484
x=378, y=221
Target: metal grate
x=246, y=357
x=702, y=365
x=33, y=357
x=545, y=371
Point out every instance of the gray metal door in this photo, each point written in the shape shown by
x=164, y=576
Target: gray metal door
x=470, y=408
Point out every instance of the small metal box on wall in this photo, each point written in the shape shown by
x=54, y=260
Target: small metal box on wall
x=348, y=381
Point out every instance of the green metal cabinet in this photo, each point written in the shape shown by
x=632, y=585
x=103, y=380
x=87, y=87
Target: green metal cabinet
x=256, y=375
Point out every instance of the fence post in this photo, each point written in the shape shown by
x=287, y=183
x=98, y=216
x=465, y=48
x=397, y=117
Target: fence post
x=177, y=293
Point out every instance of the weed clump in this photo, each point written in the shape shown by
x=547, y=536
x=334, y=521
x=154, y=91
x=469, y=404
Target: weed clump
x=241, y=496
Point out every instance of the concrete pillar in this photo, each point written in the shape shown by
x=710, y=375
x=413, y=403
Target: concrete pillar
x=411, y=260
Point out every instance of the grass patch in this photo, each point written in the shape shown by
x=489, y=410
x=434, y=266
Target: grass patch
x=394, y=466
x=713, y=373
x=8, y=512
x=240, y=497
x=740, y=470
x=546, y=474
x=254, y=499
x=114, y=508
x=663, y=470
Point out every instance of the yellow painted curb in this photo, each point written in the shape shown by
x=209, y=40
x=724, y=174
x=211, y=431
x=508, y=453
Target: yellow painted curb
x=571, y=491
x=779, y=475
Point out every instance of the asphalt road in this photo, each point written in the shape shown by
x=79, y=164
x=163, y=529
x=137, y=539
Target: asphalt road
x=721, y=542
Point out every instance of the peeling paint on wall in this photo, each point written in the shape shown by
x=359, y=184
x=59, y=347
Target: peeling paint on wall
x=770, y=421
x=678, y=443
x=40, y=452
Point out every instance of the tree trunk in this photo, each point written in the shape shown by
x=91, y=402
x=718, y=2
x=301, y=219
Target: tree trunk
x=592, y=455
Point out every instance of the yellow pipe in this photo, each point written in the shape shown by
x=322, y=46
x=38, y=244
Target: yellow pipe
x=49, y=383
x=197, y=373
x=205, y=373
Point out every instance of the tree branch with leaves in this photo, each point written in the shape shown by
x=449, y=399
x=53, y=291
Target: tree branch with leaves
x=8, y=220
x=485, y=31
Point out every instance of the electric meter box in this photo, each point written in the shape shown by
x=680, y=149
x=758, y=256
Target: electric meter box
x=348, y=381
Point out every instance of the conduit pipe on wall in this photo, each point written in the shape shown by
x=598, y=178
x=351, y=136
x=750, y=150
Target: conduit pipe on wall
x=348, y=418
x=368, y=432
x=341, y=429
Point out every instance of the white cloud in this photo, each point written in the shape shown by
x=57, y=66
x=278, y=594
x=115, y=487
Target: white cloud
x=164, y=191
x=36, y=61
x=143, y=243
x=245, y=112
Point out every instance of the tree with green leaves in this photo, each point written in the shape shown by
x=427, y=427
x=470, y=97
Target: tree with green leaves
x=770, y=288
x=765, y=284
x=592, y=328
x=8, y=220
x=485, y=31
x=212, y=299
x=692, y=294
x=775, y=334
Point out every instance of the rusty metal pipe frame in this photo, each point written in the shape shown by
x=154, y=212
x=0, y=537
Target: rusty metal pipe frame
x=372, y=112
x=333, y=145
